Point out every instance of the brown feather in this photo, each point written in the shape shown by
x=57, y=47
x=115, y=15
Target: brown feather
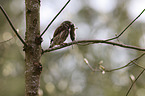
x=72, y=33
x=61, y=33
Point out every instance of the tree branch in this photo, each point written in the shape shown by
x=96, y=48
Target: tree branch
x=12, y=26
x=102, y=68
x=127, y=64
x=126, y=27
x=134, y=82
x=55, y=17
x=6, y=41
x=93, y=42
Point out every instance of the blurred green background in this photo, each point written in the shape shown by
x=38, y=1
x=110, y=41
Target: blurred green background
x=64, y=71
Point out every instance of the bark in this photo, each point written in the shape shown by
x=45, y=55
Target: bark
x=33, y=66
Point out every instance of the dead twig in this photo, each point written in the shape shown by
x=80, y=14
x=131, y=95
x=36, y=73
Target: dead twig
x=135, y=81
x=55, y=17
x=126, y=27
x=93, y=42
x=12, y=26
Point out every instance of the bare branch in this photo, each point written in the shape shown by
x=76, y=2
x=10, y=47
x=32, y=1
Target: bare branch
x=55, y=17
x=126, y=27
x=12, y=26
x=134, y=82
x=127, y=64
x=87, y=62
x=102, y=68
x=6, y=41
x=138, y=65
x=92, y=42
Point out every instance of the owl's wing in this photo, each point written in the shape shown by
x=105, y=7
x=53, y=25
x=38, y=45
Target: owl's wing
x=59, y=38
x=59, y=30
x=72, y=33
x=64, y=34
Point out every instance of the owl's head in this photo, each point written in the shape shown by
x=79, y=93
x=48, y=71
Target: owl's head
x=69, y=24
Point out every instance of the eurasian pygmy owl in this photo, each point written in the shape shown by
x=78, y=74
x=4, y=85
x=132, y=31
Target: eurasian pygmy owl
x=61, y=33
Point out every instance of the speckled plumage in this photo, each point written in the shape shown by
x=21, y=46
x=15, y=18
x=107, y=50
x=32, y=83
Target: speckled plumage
x=61, y=33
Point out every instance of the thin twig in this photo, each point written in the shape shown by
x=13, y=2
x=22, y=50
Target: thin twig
x=6, y=41
x=87, y=62
x=55, y=17
x=93, y=42
x=126, y=27
x=127, y=64
x=138, y=65
x=12, y=26
x=106, y=70
x=134, y=82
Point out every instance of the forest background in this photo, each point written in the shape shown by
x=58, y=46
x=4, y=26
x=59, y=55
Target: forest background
x=64, y=71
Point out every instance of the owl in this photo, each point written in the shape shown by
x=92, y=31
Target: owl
x=62, y=32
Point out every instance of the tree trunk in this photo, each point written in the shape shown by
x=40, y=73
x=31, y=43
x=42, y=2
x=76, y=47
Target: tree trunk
x=33, y=49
